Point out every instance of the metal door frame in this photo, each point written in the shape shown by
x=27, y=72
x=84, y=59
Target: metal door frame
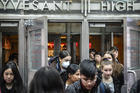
x=0, y=50
x=127, y=28
x=23, y=48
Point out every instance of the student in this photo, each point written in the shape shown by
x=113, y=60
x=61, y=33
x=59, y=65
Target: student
x=62, y=61
x=11, y=81
x=108, y=55
x=117, y=74
x=107, y=84
x=88, y=79
x=46, y=80
x=118, y=68
x=73, y=72
x=111, y=85
x=114, y=51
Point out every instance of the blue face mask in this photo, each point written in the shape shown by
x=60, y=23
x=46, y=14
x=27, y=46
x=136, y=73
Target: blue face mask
x=65, y=64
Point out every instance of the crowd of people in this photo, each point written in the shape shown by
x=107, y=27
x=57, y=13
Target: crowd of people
x=101, y=73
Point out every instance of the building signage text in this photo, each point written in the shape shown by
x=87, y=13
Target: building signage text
x=66, y=5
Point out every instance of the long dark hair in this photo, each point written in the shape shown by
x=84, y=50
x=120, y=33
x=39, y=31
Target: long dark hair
x=17, y=82
x=46, y=80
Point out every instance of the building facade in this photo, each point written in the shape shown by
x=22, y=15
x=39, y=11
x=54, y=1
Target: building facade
x=38, y=29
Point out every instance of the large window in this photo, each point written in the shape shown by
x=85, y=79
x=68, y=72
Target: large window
x=64, y=36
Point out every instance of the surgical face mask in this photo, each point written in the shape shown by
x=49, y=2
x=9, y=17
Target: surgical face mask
x=65, y=64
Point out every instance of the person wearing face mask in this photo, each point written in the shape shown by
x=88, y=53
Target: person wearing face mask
x=65, y=64
x=61, y=63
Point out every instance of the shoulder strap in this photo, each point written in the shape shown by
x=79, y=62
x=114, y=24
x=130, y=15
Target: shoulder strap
x=102, y=87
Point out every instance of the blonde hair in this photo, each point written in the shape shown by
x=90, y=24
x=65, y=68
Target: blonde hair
x=117, y=67
x=110, y=53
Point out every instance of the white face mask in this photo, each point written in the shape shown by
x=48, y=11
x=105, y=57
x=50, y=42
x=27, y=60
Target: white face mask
x=65, y=64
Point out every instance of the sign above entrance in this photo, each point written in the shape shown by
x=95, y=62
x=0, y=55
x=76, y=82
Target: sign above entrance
x=119, y=6
x=85, y=6
x=35, y=5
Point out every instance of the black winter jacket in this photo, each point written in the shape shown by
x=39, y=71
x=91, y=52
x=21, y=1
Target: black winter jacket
x=77, y=88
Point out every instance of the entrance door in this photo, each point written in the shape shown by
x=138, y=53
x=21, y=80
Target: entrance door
x=37, y=45
x=132, y=51
x=64, y=36
x=105, y=34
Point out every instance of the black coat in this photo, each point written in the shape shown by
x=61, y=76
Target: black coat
x=55, y=63
x=77, y=88
x=118, y=82
x=12, y=90
x=5, y=90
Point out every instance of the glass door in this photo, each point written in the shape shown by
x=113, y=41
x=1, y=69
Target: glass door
x=37, y=45
x=132, y=51
x=105, y=34
x=64, y=36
